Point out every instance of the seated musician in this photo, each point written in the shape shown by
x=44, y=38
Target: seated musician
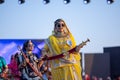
x=29, y=62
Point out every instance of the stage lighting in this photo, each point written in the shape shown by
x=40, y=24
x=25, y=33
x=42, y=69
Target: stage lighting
x=86, y=1
x=2, y=1
x=21, y=1
x=46, y=1
x=110, y=1
x=66, y=1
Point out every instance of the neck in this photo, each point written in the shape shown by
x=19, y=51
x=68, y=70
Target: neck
x=29, y=52
x=61, y=35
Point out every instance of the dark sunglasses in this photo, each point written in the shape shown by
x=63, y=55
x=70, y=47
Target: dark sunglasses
x=60, y=25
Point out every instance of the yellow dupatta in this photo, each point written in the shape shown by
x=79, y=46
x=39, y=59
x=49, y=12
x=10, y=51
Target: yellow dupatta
x=55, y=46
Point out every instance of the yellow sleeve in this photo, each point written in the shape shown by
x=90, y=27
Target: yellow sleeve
x=46, y=47
x=47, y=50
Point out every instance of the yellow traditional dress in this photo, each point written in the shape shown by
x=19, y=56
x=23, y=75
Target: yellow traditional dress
x=68, y=67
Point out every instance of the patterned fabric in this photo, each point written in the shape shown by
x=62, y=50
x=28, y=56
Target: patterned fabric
x=33, y=60
x=14, y=69
x=27, y=72
x=68, y=67
x=2, y=63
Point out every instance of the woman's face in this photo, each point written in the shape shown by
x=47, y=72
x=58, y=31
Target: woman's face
x=30, y=46
x=61, y=29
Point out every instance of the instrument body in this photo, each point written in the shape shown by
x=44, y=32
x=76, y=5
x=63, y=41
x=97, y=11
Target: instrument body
x=77, y=48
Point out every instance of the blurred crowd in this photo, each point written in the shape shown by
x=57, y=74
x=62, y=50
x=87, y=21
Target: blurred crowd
x=87, y=77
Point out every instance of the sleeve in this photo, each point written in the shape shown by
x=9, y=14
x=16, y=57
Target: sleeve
x=35, y=58
x=46, y=47
x=4, y=62
x=20, y=58
x=45, y=50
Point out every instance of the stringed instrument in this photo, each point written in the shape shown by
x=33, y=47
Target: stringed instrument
x=38, y=73
x=69, y=51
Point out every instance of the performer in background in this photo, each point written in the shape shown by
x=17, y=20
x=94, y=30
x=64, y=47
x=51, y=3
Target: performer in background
x=27, y=71
x=13, y=67
x=62, y=40
x=3, y=68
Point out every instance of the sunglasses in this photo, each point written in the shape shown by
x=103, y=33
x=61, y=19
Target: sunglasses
x=60, y=25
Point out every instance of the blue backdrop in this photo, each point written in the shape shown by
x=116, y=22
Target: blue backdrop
x=9, y=47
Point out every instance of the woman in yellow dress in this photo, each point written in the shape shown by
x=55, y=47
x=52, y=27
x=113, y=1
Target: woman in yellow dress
x=67, y=67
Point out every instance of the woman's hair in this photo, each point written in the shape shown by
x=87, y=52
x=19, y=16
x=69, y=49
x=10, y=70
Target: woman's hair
x=25, y=45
